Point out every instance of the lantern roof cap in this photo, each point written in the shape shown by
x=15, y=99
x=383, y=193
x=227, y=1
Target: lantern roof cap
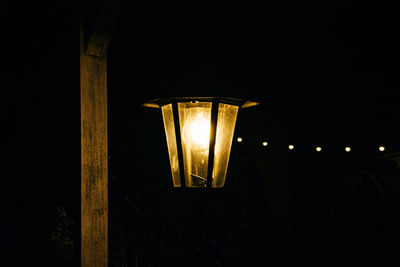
x=159, y=102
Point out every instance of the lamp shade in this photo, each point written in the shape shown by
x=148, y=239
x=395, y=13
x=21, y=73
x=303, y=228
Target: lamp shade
x=199, y=133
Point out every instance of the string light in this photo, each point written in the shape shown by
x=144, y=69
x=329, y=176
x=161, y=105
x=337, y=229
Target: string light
x=264, y=143
x=317, y=148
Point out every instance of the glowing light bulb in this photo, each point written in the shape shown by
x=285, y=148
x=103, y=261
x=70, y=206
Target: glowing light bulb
x=265, y=143
x=347, y=149
x=318, y=148
x=196, y=131
x=239, y=139
x=381, y=148
x=291, y=147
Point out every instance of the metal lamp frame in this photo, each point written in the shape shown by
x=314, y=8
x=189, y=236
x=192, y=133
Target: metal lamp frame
x=215, y=101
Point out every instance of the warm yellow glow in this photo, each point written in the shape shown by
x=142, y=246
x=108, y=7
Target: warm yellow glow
x=194, y=120
x=291, y=147
x=318, y=148
x=348, y=149
x=169, y=126
x=265, y=143
x=197, y=132
x=189, y=125
x=223, y=141
x=382, y=148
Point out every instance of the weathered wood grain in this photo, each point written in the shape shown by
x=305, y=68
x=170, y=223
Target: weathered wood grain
x=94, y=159
x=105, y=22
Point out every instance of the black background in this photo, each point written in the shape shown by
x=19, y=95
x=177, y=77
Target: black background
x=324, y=73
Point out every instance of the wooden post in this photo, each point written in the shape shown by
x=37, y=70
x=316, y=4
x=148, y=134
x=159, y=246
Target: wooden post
x=94, y=159
x=94, y=154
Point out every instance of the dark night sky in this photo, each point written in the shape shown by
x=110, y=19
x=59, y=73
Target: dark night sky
x=326, y=72
x=331, y=68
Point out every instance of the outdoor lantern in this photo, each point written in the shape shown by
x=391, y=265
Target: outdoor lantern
x=199, y=133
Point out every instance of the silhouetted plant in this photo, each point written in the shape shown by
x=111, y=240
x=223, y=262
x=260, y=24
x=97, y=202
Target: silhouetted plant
x=145, y=230
x=63, y=238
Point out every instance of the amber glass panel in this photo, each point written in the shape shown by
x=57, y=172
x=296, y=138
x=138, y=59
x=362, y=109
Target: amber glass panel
x=168, y=118
x=195, y=121
x=227, y=115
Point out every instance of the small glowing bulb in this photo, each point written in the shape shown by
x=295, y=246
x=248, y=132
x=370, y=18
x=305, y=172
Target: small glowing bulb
x=382, y=148
x=318, y=148
x=291, y=147
x=265, y=143
x=239, y=139
x=348, y=149
x=197, y=132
